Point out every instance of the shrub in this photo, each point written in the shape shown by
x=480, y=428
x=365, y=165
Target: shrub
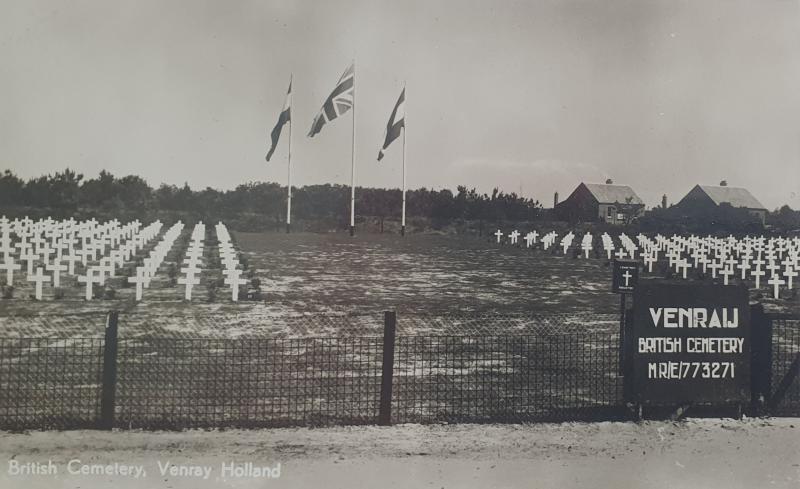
x=7, y=292
x=211, y=292
x=110, y=293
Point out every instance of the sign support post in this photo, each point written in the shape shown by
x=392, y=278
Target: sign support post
x=624, y=279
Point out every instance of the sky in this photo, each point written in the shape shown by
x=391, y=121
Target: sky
x=531, y=97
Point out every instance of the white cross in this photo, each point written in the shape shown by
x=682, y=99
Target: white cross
x=139, y=280
x=758, y=273
x=790, y=273
x=39, y=278
x=499, y=235
x=56, y=268
x=190, y=280
x=9, y=266
x=776, y=281
x=726, y=273
x=649, y=260
x=107, y=265
x=84, y=253
x=620, y=254
x=587, y=247
x=627, y=275
x=773, y=267
x=744, y=266
x=89, y=279
x=514, y=235
x=714, y=266
x=684, y=265
x=71, y=259
x=234, y=281
x=528, y=240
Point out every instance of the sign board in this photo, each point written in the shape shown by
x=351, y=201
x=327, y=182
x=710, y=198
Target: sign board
x=690, y=344
x=625, y=276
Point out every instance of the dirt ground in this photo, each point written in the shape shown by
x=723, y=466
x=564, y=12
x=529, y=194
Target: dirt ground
x=697, y=453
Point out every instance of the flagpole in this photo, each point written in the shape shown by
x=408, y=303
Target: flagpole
x=405, y=128
x=289, y=164
x=353, y=161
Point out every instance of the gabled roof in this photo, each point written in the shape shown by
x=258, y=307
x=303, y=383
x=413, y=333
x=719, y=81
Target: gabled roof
x=736, y=197
x=610, y=194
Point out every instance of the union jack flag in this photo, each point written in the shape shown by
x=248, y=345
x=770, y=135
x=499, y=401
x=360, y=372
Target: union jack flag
x=338, y=102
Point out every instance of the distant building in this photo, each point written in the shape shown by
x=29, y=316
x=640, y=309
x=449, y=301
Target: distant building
x=703, y=197
x=614, y=204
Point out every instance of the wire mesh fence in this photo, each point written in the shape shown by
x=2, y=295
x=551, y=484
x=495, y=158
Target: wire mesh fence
x=785, y=357
x=456, y=368
x=549, y=376
x=50, y=382
x=167, y=383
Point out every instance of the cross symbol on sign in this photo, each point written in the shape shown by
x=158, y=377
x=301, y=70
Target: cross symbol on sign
x=627, y=275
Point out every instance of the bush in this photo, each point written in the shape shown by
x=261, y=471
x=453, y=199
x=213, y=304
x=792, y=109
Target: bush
x=110, y=293
x=7, y=291
x=211, y=292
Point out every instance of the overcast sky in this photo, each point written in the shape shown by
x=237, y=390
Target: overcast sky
x=529, y=96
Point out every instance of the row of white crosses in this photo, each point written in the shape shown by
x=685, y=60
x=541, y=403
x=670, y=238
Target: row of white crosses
x=532, y=238
x=230, y=261
x=750, y=258
x=150, y=265
x=120, y=252
x=776, y=260
x=193, y=260
x=56, y=247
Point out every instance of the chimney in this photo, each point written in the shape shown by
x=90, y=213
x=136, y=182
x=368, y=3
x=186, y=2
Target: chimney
x=664, y=201
x=609, y=181
x=723, y=183
x=555, y=199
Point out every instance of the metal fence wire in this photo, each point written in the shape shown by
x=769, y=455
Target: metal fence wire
x=50, y=382
x=456, y=368
x=785, y=357
x=168, y=383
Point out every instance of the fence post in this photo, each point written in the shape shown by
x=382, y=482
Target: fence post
x=107, y=396
x=387, y=371
x=760, y=358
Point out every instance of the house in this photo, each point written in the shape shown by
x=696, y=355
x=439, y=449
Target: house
x=703, y=197
x=614, y=204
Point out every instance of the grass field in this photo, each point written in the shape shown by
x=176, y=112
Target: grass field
x=333, y=274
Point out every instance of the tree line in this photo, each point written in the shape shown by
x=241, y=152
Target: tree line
x=260, y=205
x=70, y=192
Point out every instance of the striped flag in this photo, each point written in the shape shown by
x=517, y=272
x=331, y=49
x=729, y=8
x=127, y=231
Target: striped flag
x=397, y=121
x=286, y=116
x=337, y=103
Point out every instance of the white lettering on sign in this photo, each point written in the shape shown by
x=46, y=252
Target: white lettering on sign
x=691, y=370
x=660, y=345
x=695, y=317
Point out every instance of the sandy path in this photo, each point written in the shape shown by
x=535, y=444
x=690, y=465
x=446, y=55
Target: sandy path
x=691, y=454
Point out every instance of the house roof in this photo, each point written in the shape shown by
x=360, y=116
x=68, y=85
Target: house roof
x=610, y=194
x=736, y=197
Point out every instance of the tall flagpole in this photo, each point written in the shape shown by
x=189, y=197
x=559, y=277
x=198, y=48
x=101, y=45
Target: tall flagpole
x=289, y=165
x=353, y=162
x=405, y=128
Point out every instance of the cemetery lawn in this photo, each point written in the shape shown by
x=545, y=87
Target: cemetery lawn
x=319, y=274
x=333, y=274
